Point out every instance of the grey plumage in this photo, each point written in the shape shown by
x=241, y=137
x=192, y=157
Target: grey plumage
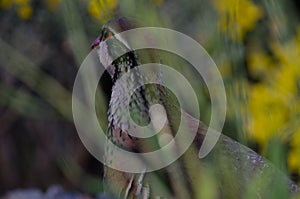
x=237, y=167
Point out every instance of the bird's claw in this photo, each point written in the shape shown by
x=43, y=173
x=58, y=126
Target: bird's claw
x=136, y=189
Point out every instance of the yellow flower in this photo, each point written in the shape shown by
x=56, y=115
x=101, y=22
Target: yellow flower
x=294, y=160
x=289, y=61
x=52, y=4
x=94, y=9
x=287, y=81
x=237, y=16
x=275, y=102
x=157, y=2
x=6, y=4
x=260, y=64
x=102, y=9
x=295, y=143
x=269, y=113
x=22, y=2
x=225, y=68
x=25, y=12
x=293, y=156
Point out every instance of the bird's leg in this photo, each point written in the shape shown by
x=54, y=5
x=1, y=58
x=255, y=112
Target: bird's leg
x=139, y=184
x=145, y=192
x=140, y=191
x=128, y=188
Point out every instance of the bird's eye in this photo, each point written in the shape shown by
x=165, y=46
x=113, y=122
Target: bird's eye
x=106, y=35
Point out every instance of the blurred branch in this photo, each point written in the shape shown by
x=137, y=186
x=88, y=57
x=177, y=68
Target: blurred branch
x=279, y=14
x=22, y=101
x=89, y=183
x=74, y=26
x=28, y=72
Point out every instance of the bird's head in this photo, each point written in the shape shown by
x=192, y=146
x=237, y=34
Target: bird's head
x=116, y=46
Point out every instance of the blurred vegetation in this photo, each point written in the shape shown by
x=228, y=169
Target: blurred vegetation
x=255, y=44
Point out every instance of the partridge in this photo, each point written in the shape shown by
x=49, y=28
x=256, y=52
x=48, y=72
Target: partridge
x=235, y=164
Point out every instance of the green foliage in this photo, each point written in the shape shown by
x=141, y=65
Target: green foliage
x=42, y=43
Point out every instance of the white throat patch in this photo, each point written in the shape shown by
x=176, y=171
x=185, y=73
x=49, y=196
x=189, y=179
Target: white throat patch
x=105, y=58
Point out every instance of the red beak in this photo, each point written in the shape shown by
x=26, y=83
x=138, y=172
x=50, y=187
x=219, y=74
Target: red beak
x=96, y=42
